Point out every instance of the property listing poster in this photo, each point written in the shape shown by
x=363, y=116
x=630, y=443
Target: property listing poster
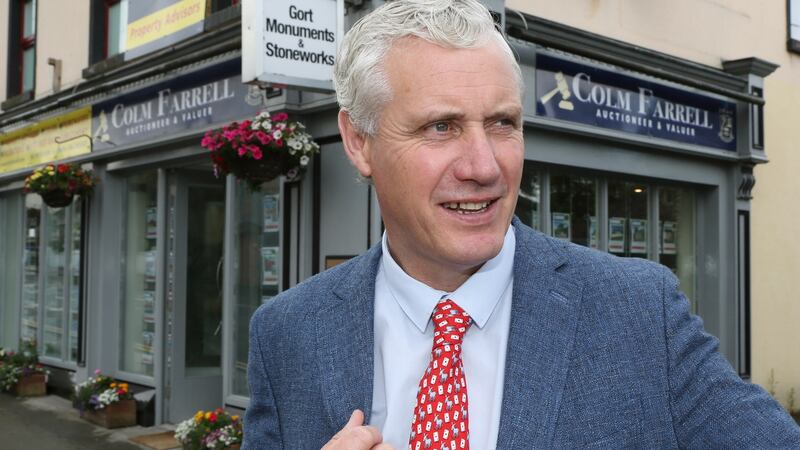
x=616, y=235
x=269, y=258
x=669, y=231
x=638, y=235
x=271, y=213
x=561, y=226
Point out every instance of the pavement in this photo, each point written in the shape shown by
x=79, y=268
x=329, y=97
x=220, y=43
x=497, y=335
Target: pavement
x=50, y=422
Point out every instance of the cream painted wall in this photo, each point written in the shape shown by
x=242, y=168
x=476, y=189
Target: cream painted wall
x=709, y=32
x=62, y=32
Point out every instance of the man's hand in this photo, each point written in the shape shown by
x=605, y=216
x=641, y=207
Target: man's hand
x=357, y=436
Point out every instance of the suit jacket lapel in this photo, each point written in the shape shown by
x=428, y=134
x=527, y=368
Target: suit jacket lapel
x=345, y=348
x=544, y=317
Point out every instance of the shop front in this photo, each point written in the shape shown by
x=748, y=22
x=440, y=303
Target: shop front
x=153, y=278
x=185, y=256
x=645, y=155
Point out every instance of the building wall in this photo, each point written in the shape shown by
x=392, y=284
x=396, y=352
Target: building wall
x=709, y=32
x=62, y=32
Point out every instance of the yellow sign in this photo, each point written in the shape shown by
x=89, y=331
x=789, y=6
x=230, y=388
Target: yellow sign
x=36, y=144
x=165, y=22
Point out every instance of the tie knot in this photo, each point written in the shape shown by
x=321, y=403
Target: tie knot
x=450, y=322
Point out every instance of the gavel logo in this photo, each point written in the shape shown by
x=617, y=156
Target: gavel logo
x=563, y=88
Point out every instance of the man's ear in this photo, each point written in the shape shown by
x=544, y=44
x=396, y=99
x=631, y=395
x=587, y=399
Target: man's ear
x=355, y=145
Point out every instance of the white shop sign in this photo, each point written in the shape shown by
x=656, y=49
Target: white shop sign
x=291, y=42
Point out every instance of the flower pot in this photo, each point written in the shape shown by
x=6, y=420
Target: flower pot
x=57, y=198
x=256, y=172
x=120, y=414
x=32, y=385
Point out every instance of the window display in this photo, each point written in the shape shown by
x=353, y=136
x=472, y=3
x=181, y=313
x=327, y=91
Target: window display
x=627, y=205
x=30, y=281
x=573, y=206
x=139, y=275
x=258, y=265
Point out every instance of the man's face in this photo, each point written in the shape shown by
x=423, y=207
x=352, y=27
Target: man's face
x=447, y=159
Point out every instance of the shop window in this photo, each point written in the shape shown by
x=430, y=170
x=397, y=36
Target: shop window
x=676, y=208
x=11, y=245
x=793, y=7
x=257, y=266
x=577, y=212
x=21, y=47
x=139, y=275
x=30, y=281
x=108, y=29
x=627, y=219
x=573, y=209
x=529, y=201
x=51, y=282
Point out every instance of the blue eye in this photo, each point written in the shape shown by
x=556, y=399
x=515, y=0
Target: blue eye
x=441, y=127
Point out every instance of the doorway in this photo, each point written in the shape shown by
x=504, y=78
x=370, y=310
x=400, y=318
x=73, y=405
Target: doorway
x=196, y=226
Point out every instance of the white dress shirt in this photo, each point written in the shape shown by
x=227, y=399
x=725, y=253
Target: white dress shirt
x=404, y=337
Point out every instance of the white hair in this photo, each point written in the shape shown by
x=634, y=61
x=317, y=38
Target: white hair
x=362, y=87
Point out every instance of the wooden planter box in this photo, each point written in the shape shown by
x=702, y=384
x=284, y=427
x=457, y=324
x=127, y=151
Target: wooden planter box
x=32, y=385
x=120, y=414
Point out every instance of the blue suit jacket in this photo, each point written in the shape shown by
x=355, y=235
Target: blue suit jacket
x=602, y=353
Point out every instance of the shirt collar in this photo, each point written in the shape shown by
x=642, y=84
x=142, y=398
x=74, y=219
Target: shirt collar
x=478, y=296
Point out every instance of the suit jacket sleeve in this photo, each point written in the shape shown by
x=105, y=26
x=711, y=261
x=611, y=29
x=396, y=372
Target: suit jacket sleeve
x=261, y=425
x=711, y=406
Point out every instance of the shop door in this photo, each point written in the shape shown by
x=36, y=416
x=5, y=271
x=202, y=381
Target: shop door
x=194, y=278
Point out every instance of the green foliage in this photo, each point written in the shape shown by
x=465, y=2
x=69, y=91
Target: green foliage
x=17, y=364
x=100, y=391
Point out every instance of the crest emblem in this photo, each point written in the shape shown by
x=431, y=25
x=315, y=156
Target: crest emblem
x=726, y=126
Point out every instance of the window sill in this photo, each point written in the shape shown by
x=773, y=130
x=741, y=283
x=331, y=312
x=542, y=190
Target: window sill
x=16, y=100
x=101, y=67
x=793, y=45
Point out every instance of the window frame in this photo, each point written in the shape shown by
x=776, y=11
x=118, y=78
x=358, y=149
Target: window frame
x=76, y=211
x=792, y=42
x=26, y=43
x=107, y=4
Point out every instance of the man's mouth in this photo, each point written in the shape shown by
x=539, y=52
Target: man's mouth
x=468, y=207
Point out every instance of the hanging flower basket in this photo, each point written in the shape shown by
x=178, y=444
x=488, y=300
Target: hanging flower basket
x=57, y=198
x=59, y=184
x=262, y=149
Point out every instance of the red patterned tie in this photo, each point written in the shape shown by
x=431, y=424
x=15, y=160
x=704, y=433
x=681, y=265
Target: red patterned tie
x=440, y=416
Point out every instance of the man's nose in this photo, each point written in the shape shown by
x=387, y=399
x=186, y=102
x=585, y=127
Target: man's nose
x=478, y=161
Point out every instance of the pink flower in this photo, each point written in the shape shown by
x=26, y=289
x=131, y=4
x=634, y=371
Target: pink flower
x=231, y=135
x=264, y=138
x=257, y=153
x=280, y=117
x=208, y=141
x=97, y=371
x=279, y=143
x=245, y=125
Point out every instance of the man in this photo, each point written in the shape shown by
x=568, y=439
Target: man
x=563, y=347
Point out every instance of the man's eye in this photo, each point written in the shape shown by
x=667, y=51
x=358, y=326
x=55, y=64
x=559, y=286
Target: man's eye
x=506, y=122
x=441, y=127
